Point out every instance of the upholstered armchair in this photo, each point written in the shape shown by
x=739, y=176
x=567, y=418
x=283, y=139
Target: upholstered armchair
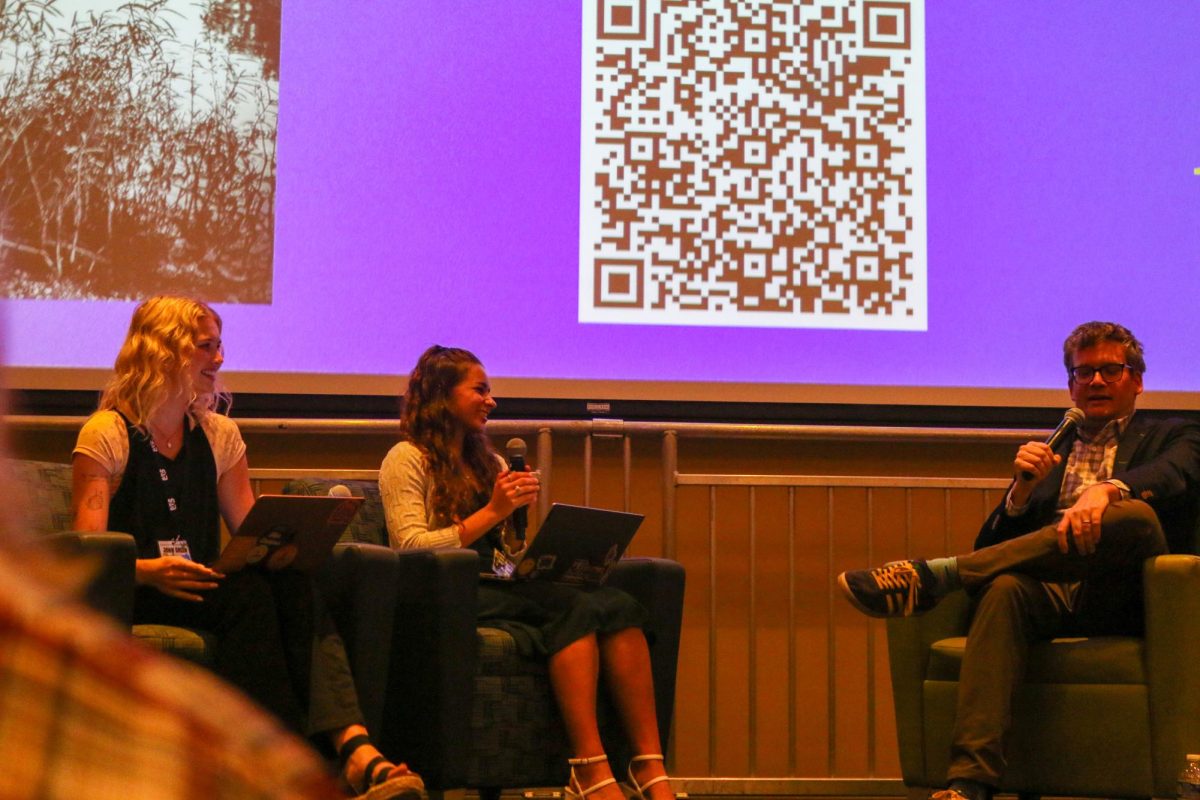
x=463, y=708
x=1106, y=716
x=45, y=489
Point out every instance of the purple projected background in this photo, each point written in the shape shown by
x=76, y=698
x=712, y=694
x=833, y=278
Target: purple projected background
x=428, y=192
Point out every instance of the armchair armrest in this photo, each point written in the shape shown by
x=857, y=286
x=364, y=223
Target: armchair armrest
x=434, y=652
x=111, y=589
x=358, y=585
x=1172, y=586
x=657, y=583
x=909, y=640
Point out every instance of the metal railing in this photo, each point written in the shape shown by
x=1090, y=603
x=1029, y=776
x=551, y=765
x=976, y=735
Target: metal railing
x=546, y=430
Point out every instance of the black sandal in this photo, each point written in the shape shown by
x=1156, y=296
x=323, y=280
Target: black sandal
x=375, y=783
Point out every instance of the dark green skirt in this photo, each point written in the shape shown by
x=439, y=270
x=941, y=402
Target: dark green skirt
x=545, y=617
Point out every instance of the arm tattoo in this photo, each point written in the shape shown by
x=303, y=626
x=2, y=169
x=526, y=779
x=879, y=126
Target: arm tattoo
x=95, y=500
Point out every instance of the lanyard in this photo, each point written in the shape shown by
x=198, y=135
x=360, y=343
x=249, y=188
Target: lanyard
x=168, y=486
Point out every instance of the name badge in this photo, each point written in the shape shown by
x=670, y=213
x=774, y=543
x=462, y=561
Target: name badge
x=501, y=564
x=174, y=547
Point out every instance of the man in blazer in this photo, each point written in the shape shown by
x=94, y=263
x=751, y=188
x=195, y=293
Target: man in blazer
x=1063, y=552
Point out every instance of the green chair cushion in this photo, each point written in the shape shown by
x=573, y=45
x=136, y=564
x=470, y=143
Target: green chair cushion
x=195, y=646
x=1099, y=659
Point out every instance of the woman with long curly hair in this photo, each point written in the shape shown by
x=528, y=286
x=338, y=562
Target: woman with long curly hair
x=159, y=462
x=444, y=485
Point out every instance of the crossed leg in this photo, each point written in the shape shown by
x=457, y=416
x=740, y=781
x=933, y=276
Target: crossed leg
x=1021, y=598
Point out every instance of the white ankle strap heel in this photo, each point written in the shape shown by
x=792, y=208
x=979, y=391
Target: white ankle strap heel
x=573, y=789
x=639, y=789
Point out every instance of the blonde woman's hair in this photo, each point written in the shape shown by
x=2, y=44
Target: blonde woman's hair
x=153, y=362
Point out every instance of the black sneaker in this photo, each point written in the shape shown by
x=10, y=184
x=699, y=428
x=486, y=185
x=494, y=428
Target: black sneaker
x=898, y=589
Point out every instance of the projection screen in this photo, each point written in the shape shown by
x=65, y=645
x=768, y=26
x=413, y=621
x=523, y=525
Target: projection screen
x=827, y=201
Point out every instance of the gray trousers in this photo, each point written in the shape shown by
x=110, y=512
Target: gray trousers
x=1026, y=590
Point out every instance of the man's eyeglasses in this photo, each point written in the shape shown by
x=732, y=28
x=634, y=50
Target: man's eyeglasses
x=1109, y=373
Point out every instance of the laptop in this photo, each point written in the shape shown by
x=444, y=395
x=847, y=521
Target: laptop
x=288, y=531
x=576, y=545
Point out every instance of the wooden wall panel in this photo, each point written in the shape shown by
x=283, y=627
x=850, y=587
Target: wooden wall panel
x=691, y=739
x=814, y=603
x=773, y=578
x=849, y=653
x=730, y=683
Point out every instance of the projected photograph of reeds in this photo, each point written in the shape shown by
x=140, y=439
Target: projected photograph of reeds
x=137, y=148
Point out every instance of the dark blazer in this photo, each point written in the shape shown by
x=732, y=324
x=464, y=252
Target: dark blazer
x=1160, y=462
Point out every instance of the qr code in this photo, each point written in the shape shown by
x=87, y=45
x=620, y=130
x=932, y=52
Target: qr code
x=753, y=163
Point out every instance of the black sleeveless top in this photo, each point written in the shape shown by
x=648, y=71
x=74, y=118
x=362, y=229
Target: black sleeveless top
x=486, y=546
x=140, y=505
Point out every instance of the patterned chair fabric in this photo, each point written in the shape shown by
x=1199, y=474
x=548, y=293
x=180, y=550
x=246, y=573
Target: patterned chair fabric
x=368, y=525
x=514, y=736
x=47, y=489
x=516, y=731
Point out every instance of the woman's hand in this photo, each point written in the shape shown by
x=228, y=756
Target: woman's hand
x=511, y=491
x=176, y=576
x=514, y=490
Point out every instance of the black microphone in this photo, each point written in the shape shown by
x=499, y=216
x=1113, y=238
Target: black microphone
x=1070, y=419
x=516, y=462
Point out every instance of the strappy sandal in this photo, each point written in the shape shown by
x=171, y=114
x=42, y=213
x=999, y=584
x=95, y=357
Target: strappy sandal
x=638, y=790
x=375, y=783
x=573, y=789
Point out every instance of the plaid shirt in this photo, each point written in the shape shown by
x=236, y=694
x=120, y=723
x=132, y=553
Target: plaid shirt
x=85, y=711
x=1091, y=461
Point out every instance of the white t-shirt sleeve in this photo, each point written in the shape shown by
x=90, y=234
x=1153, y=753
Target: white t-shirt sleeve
x=225, y=440
x=103, y=439
x=404, y=491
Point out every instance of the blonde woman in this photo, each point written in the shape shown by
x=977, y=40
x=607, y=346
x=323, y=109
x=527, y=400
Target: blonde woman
x=159, y=462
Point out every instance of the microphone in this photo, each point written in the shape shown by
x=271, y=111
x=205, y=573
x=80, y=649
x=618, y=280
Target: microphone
x=516, y=450
x=1070, y=419
x=340, y=491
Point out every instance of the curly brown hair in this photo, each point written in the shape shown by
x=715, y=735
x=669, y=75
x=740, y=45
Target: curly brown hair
x=1090, y=334
x=463, y=475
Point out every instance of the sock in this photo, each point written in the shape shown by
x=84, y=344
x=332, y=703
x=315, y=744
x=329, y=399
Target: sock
x=968, y=788
x=945, y=575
